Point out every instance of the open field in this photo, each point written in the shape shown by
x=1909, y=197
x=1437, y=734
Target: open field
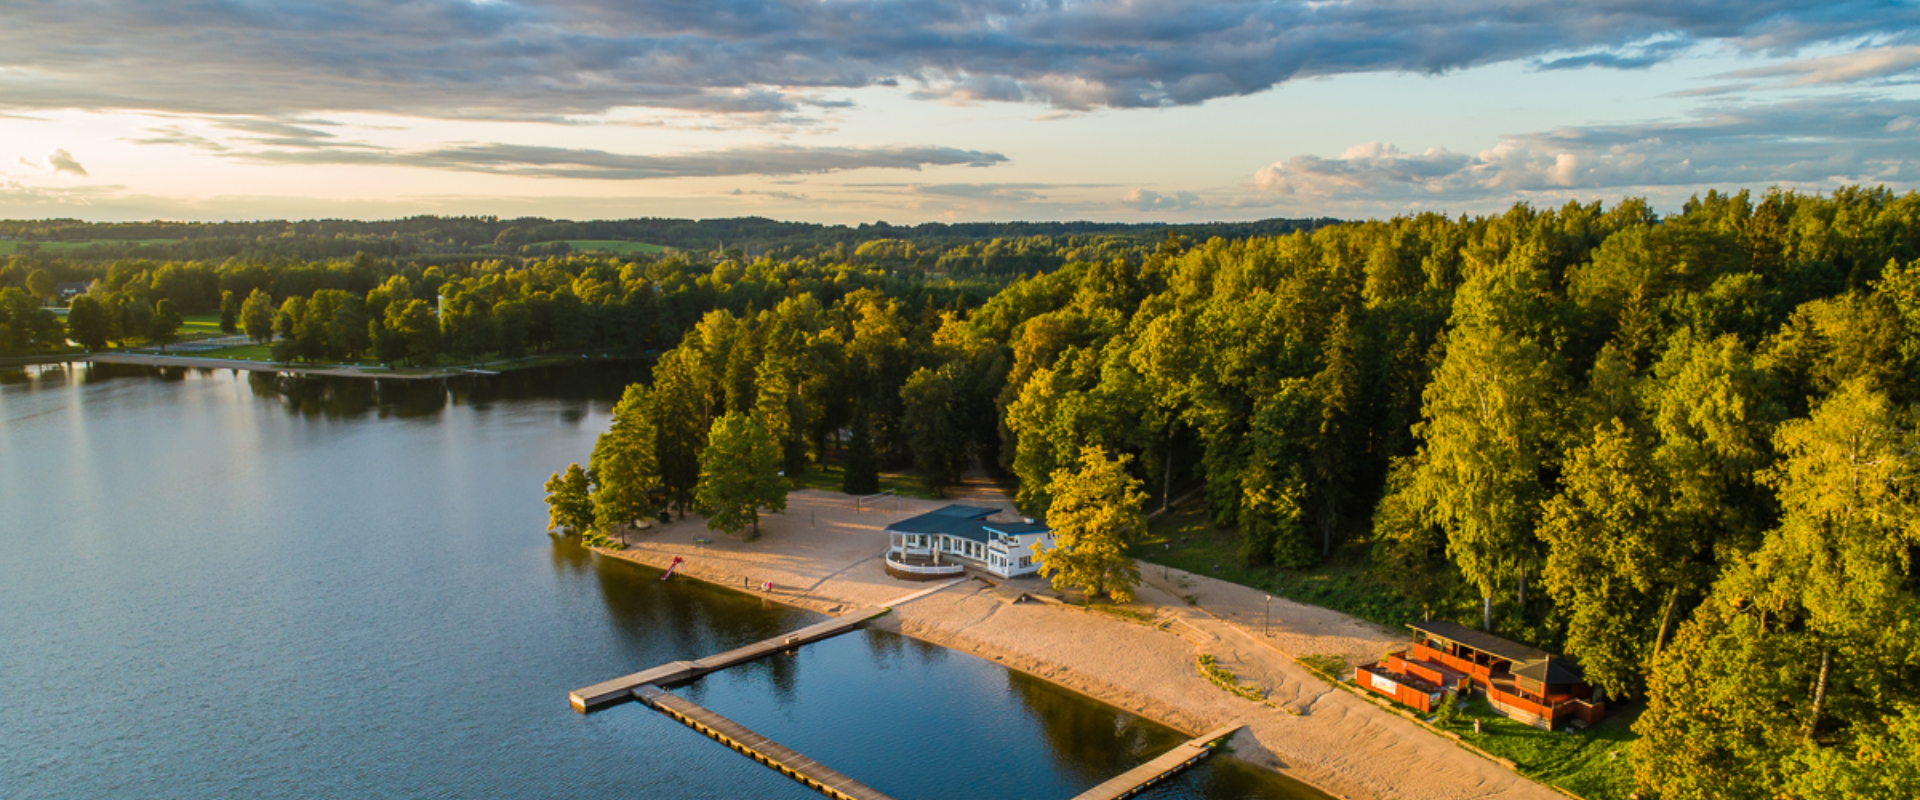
x=9, y=247
x=615, y=246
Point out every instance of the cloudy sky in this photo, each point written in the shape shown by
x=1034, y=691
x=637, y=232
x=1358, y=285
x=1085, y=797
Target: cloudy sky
x=914, y=110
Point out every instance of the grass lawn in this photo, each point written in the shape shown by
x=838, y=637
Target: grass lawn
x=615, y=246
x=201, y=323
x=9, y=247
x=828, y=476
x=1592, y=763
x=264, y=353
x=1184, y=539
x=245, y=352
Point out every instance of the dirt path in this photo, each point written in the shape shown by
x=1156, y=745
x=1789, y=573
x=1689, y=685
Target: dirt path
x=822, y=554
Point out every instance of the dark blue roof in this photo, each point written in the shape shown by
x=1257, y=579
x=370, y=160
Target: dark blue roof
x=964, y=512
x=966, y=522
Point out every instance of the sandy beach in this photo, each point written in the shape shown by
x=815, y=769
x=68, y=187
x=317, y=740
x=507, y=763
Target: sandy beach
x=825, y=555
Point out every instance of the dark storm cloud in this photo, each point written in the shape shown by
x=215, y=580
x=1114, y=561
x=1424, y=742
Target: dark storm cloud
x=550, y=58
x=558, y=162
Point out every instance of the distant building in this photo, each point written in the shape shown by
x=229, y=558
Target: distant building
x=945, y=541
x=1524, y=683
x=71, y=289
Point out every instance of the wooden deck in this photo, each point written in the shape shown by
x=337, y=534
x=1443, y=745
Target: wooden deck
x=620, y=690
x=817, y=776
x=1140, y=778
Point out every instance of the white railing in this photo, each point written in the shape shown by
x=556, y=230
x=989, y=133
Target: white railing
x=894, y=562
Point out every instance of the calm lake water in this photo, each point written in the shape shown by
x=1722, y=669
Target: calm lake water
x=217, y=585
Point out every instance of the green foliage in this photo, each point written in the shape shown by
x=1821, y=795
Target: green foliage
x=862, y=475
x=624, y=465
x=229, y=313
x=256, y=316
x=1224, y=678
x=24, y=325
x=40, y=284
x=88, y=322
x=1806, y=639
x=569, y=506
x=1884, y=761
x=164, y=327
x=1096, y=513
x=739, y=475
x=1594, y=763
x=1565, y=410
x=933, y=420
x=1606, y=561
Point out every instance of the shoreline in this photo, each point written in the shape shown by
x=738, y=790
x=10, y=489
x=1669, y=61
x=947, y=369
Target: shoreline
x=822, y=555
x=331, y=371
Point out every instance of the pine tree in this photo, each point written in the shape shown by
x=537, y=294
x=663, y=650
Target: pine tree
x=229, y=313
x=862, y=473
x=623, y=464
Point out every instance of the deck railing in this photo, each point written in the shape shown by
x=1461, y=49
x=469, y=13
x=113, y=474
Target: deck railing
x=896, y=564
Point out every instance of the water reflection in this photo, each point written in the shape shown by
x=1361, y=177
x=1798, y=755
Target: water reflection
x=1092, y=740
x=381, y=567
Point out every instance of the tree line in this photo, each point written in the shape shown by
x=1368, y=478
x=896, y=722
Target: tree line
x=1679, y=449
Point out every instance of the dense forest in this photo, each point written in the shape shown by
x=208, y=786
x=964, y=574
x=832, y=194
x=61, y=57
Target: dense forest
x=951, y=248
x=1680, y=449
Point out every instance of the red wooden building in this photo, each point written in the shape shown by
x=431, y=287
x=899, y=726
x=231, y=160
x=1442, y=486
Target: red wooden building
x=1521, y=682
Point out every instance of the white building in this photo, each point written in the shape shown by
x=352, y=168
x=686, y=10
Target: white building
x=944, y=541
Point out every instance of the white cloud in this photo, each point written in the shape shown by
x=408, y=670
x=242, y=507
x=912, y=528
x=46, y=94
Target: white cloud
x=1861, y=65
x=1148, y=200
x=63, y=161
x=1811, y=143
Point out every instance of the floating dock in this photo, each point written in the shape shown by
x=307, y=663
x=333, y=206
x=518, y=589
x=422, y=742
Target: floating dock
x=817, y=776
x=620, y=690
x=1143, y=777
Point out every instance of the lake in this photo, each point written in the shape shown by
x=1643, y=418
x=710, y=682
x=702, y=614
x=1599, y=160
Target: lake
x=236, y=585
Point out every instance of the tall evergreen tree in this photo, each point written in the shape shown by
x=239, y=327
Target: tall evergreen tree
x=623, y=464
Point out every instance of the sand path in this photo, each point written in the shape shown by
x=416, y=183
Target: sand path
x=825, y=555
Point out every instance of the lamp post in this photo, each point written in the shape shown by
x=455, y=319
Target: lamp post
x=1266, y=620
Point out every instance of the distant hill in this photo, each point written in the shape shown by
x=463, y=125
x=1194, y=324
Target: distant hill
x=429, y=235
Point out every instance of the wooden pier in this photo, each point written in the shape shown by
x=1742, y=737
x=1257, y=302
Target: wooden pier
x=620, y=690
x=815, y=775
x=1140, y=778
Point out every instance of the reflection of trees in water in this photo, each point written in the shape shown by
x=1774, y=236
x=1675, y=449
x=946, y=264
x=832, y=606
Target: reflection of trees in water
x=48, y=376
x=891, y=649
x=1229, y=778
x=578, y=388
x=684, y=619
x=1090, y=739
x=599, y=381
x=327, y=398
x=569, y=558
